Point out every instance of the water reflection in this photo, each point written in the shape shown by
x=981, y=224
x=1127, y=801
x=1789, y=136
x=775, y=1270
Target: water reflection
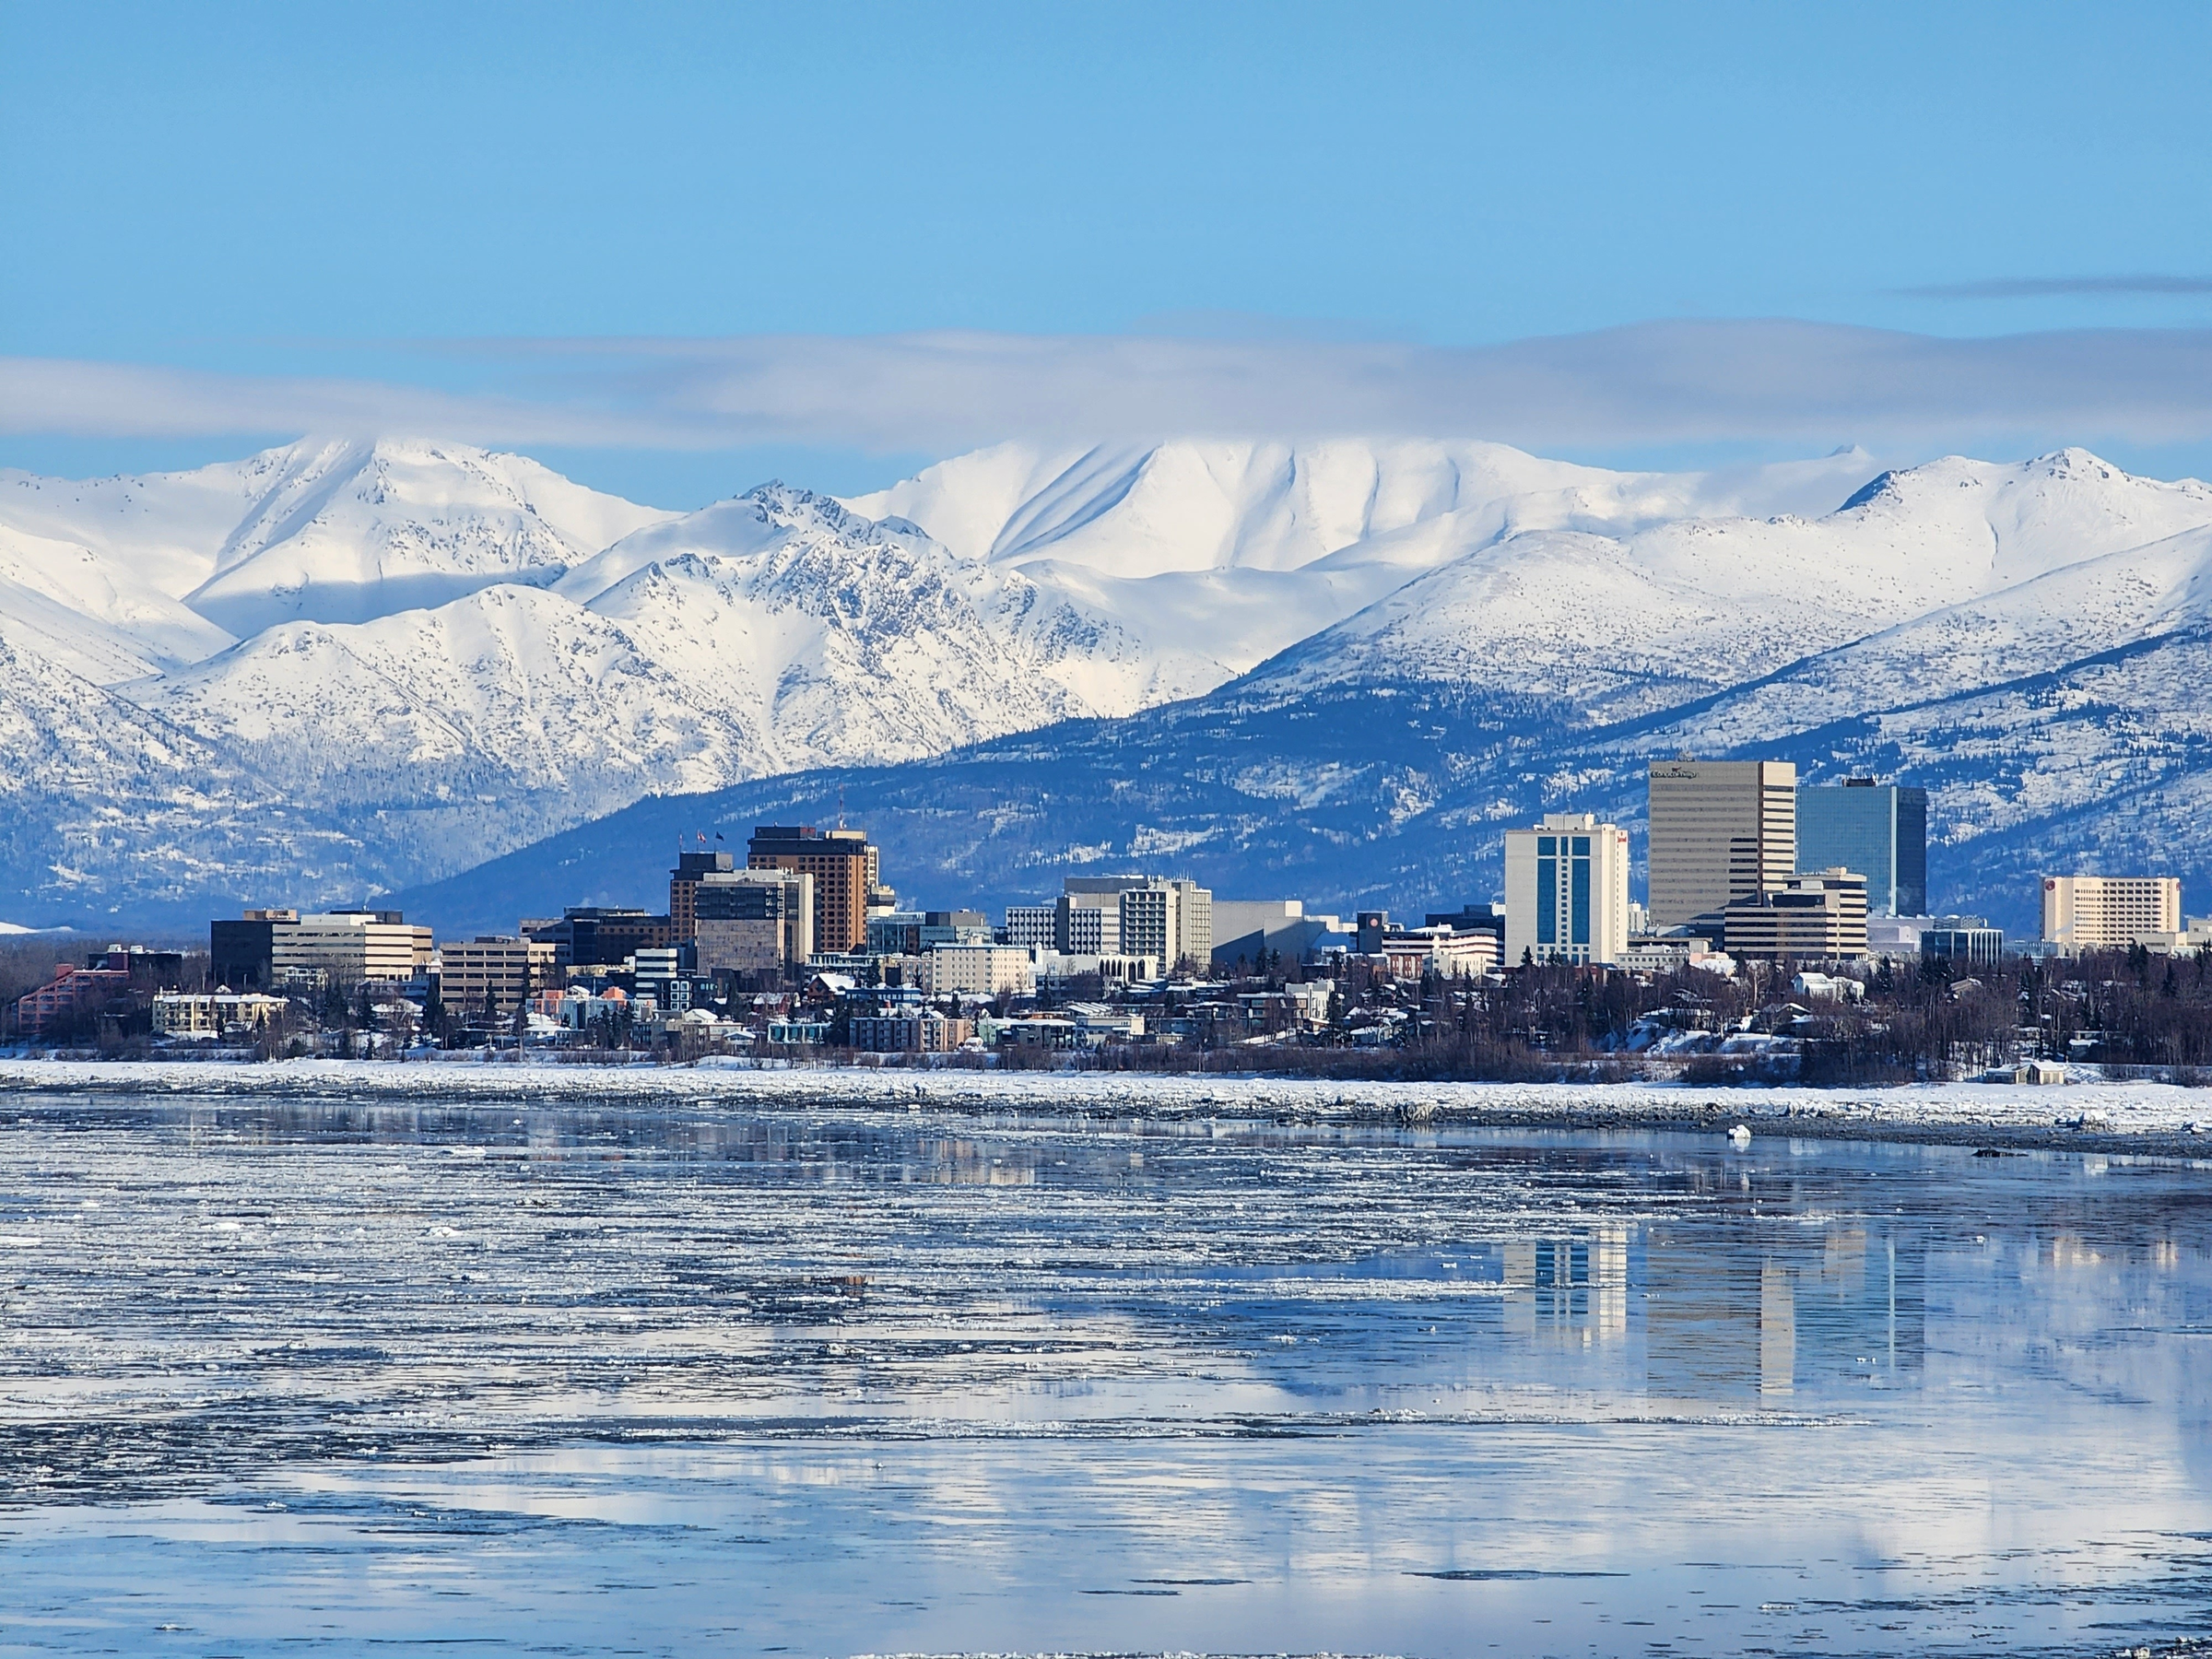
x=1571, y=1289
x=902, y=1381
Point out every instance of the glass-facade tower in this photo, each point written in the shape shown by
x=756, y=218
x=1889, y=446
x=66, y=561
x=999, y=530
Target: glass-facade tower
x=1880, y=830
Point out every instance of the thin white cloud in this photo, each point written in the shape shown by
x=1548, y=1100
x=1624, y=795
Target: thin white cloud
x=131, y=400
x=2045, y=287
x=1651, y=384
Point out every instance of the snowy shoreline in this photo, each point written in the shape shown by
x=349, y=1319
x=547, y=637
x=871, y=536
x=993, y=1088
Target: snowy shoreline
x=2132, y=1117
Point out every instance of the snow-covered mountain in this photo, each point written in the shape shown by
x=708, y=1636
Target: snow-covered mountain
x=1218, y=554
x=326, y=531
x=1627, y=624
x=337, y=667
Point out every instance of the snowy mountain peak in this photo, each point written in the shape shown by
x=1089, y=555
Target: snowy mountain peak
x=344, y=530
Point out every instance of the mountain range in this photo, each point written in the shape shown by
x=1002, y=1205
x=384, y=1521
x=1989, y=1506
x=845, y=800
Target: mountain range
x=344, y=669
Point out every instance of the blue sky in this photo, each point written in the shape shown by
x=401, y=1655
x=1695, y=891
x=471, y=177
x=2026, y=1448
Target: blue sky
x=672, y=249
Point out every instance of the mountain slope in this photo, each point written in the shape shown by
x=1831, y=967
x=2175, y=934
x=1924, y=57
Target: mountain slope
x=768, y=633
x=1398, y=795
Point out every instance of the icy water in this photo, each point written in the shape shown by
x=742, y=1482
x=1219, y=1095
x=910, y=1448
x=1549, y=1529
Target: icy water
x=278, y=1378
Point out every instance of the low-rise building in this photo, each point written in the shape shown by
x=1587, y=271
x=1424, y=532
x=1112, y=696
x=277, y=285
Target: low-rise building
x=1828, y=987
x=1054, y=968
x=1408, y=953
x=978, y=971
x=1244, y=928
x=1044, y=1032
x=71, y=994
x=613, y=1008
x=1964, y=947
x=1098, y=1022
x=2195, y=935
x=917, y=932
x=928, y=1032
x=1649, y=954
x=214, y=1014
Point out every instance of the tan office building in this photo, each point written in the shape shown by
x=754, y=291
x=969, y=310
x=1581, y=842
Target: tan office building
x=845, y=871
x=1721, y=831
x=348, y=947
x=978, y=971
x=504, y=969
x=2108, y=913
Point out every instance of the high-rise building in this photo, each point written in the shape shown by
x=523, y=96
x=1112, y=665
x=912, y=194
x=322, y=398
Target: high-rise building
x=845, y=871
x=1721, y=831
x=1166, y=919
x=683, y=889
x=2105, y=912
x=753, y=921
x=1879, y=828
x=1816, y=917
x=1566, y=890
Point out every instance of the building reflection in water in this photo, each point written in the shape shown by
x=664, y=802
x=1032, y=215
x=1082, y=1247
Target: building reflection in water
x=1746, y=1308
x=1572, y=1289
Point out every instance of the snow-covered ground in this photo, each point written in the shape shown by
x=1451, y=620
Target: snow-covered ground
x=2098, y=1112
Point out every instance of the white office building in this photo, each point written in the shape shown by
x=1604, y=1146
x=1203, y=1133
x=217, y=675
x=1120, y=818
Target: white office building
x=1566, y=891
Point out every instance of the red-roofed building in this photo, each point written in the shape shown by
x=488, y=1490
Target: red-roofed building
x=73, y=990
